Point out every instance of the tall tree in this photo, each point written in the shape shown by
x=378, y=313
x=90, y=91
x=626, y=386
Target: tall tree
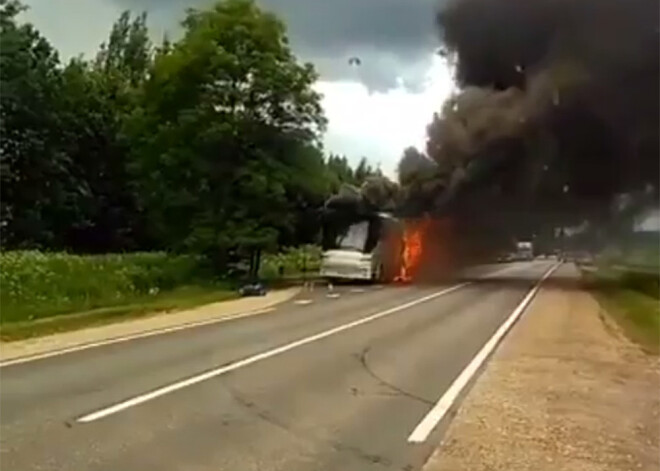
x=128, y=52
x=63, y=157
x=340, y=171
x=37, y=183
x=226, y=114
x=95, y=101
x=363, y=171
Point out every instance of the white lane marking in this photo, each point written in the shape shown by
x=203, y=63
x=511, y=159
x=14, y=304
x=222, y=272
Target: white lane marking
x=358, y=290
x=332, y=295
x=439, y=410
x=303, y=302
x=149, y=333
x=134, y=401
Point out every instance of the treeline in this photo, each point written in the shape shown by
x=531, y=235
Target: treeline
x=209, y=144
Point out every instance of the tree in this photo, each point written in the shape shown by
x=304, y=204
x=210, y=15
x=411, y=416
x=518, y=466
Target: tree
x=363, y=171
x=340, y=172
x=63, y=156
x=112, y=85
x=220, y=139
x=37, y=182
x=209, y=144
x=128, y=52
x=93, y=108
x=93, y=102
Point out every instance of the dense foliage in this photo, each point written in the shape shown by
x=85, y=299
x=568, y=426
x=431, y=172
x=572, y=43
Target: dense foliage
x=36, y=284
x=208, y=144
x=291, y=262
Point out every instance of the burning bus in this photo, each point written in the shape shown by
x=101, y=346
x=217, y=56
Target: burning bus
x=361, y=242
x=361, y=246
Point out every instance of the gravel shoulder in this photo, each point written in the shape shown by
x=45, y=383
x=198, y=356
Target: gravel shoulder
x=566, y=390
x=160, y=321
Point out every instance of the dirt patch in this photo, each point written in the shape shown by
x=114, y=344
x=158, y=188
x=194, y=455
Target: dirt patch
x=564, y=391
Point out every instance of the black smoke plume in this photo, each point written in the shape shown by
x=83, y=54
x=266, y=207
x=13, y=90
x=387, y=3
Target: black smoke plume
x=557, y=107
x=376, y=194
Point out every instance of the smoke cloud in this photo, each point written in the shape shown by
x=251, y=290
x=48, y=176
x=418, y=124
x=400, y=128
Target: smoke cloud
x=558, y=99
x=377, y=193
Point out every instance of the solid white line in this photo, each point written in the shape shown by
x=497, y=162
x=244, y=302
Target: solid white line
x=126, y=338
x=435, y=415
x=134, y=401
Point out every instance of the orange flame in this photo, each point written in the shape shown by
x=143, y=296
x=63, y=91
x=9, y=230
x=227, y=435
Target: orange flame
x=413, y=248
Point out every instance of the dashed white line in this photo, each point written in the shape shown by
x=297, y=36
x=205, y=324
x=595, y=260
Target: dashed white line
x=134, y=401
x=303, y=302
x=358, y=290
x=332, y=295
x=440, y=409
x=126, y=338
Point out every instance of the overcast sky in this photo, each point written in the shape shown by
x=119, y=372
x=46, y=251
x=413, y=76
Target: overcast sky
x=374, y=110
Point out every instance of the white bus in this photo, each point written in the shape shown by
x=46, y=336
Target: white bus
x=362, y=248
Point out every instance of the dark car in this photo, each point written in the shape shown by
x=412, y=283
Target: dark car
x=252, y=289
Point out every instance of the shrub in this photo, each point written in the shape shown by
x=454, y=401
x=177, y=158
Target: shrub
x=37, y=284
x=293, y=260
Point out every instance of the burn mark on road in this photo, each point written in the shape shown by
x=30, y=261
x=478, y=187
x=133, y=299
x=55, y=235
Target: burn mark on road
x=319, y=444
x=396, y=389
x=260, y=412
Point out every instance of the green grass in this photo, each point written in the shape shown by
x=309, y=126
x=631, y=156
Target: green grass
x=37, y=285
x=296, y=262
x=181, y=298
x=632, y=301
x=43, y=293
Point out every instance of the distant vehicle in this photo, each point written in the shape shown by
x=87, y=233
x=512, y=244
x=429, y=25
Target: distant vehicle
x=366, y=247
x=524, y=250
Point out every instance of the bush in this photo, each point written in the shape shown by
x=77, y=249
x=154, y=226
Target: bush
x=294, y=261
x=37, y=284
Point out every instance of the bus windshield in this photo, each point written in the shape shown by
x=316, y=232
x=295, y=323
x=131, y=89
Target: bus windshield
x=354, y=237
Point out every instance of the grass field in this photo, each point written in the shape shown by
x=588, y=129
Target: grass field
x=43, y=293
x=36, y=285
x=632, y=299
x=185, y=297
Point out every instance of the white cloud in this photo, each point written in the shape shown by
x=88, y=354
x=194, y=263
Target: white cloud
x=380, y=125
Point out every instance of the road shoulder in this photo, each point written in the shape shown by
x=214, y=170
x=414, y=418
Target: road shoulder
x=564, y=391
x=11, y=351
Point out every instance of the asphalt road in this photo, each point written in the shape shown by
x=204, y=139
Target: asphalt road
x=322, y=383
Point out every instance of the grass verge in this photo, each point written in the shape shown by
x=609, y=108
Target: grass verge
x=185, y=297
x=635, y=310
x=49, y=292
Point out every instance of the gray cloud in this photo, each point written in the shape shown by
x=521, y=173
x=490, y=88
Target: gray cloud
x=394, y=39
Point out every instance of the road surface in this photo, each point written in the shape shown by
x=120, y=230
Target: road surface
x=328, y=381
